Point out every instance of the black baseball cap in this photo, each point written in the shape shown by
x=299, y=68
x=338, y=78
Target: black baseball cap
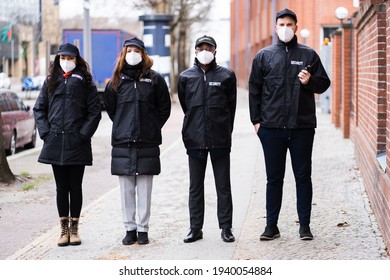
x=206, y=39
x=134, y=42
x=286, y=12
x=68, y=49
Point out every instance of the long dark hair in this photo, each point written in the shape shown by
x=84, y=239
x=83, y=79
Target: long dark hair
x=55, y=71
x=116, y=77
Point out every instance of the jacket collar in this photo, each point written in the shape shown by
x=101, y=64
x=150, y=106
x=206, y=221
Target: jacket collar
x=213, y=64
x=291, y=44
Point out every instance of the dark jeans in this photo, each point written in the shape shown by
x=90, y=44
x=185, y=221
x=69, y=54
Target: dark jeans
x=69, y=191
x=221, y=169
x=275, y=143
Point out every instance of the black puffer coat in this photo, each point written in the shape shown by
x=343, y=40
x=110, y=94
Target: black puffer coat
x=277, y=99
x=66, y=120
x=138, y=110
x=208, y=100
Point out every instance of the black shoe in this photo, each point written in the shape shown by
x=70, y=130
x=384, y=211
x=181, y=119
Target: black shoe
x=143, y=238
x=305, y=233
x=130, y=238
x=227, y=235
x=193, y=235
x=270, y=232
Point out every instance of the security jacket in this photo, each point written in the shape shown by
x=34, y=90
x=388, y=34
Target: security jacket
x=277, y=99
x=208, y=100
x=138, y=110
x=66, y=120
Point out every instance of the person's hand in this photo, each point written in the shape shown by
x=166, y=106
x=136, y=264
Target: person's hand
x=304, y=77
x=256, y=126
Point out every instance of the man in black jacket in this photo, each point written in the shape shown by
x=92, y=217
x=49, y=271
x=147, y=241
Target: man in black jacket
x=282, y=84
x=207, y=94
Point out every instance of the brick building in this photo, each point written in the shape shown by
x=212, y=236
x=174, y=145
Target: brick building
x=361, y=99
x=359, y=67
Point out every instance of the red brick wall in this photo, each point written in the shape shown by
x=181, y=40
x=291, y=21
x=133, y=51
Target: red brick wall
x=253, y=23
x=336, y=78
x=370, y=124
x=388, y=88
x=360, y=94
x=346, y=74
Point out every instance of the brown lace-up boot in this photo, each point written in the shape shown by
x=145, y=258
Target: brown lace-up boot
x=64, y=237
x=74, y=232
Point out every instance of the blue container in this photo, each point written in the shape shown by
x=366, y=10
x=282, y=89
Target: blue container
x=157, y=41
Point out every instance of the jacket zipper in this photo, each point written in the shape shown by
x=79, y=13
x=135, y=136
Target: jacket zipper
x=285, y=91
x=138, y=130
x=63, y=122
x=205, y=108
x=136, y=113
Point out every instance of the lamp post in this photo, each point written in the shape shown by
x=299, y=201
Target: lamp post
x=341, y=13
x=305, y=33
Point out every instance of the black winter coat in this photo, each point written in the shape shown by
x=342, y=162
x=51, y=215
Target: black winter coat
x=66, y=121
x=208, y=100
x=138, y=111
x=277, y=99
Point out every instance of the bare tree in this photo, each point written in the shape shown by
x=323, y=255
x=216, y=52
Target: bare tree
x=185, y=14
x=6, y=175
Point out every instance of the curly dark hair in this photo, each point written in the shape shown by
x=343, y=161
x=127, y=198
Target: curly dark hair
x=55, y=71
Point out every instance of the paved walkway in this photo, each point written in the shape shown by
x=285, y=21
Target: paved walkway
x=342, y=221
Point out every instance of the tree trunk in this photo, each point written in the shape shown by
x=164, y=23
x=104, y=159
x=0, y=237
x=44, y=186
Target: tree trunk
x=6, y=175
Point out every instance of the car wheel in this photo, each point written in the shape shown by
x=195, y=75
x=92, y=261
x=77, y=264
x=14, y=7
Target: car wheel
x=12, y=145
x=33, y=139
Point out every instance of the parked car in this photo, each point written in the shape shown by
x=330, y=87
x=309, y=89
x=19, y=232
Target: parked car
x=5, y=82
x=18, y=122
x=33, y=83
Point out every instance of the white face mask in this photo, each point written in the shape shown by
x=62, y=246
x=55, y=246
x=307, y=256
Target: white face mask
x=205, y=57
x=285, y=34
x=67, y=65
x=133, y=58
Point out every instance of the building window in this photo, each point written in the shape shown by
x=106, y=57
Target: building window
x=328, y=31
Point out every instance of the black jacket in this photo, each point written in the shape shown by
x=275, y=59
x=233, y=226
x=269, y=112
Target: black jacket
x=138, y=110
x=208, y=100
x=66, y=120
x=277, y=99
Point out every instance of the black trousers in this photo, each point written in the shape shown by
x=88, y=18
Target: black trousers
x=221, y=169
x=69, y=180
x=275, y=144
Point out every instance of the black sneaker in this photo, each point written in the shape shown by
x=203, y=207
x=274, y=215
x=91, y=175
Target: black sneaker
x=270, y=232
x=305, y=233
x=130, y=238
x=143, y=238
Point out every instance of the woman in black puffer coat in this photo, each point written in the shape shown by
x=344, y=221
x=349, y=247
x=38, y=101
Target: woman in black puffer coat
x=67, y=114
x=138, y=102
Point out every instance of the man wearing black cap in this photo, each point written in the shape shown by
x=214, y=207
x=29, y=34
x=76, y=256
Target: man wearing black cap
x=207, y=94
x=282, y=84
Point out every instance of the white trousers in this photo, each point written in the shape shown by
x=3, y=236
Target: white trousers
x=136, y=194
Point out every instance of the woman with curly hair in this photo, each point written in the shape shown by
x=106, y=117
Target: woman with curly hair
x=67, y=114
